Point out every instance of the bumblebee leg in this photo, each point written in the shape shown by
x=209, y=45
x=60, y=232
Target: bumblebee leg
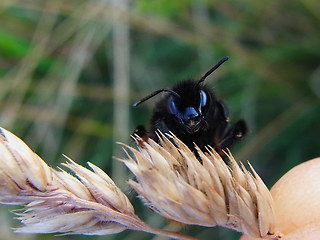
x=142, y=133
x=221, y=123
x=235, y=133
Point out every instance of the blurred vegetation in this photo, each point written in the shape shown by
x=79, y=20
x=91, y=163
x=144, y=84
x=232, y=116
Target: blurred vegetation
x=70, y=71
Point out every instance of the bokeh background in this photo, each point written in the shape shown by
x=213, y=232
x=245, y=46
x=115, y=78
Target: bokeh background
x=70, y=71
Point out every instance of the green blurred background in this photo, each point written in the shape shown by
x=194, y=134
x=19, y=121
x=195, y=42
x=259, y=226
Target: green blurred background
x=70, y=71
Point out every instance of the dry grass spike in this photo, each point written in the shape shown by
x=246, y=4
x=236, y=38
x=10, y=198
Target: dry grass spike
x=176, y=185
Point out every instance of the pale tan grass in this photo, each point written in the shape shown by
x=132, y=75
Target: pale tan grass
x=175, y=184
x=57, y=202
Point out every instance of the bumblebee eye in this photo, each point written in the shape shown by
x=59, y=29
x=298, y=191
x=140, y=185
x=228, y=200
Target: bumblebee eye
x=203, y=98
x=172, y=106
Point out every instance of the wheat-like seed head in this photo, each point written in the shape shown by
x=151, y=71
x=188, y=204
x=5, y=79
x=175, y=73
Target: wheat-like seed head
x=55, y=200
x=175, y=184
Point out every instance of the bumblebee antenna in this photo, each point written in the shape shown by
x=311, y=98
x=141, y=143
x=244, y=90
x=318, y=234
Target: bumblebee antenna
x=212, y=70
x=155, y=93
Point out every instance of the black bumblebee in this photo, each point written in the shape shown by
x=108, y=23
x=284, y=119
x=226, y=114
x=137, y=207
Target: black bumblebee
x=192, y=112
